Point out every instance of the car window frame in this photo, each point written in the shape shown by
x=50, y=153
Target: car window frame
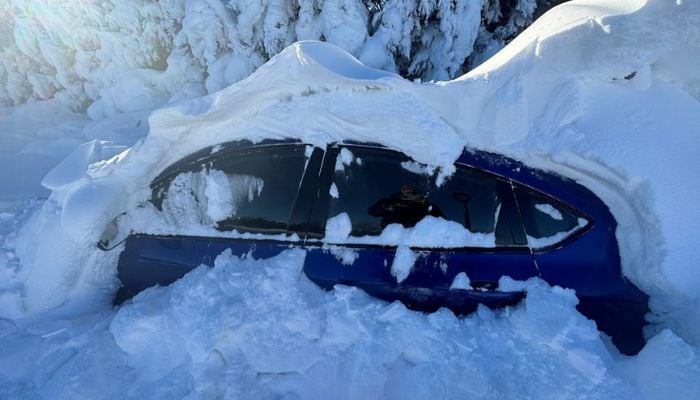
x=574, y=236
x=205, y=158
x=320, y=212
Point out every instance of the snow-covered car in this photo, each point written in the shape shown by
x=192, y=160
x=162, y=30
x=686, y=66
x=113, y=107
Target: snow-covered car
x=371, y=217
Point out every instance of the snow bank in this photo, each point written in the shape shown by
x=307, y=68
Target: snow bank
x=259, y=329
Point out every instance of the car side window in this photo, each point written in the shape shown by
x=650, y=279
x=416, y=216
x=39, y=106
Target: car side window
x=368, y=185
x=250, y=190
x=546, y=221
x=377, y=188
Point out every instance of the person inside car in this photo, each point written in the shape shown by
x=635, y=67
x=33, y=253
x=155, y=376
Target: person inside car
x=405, y=207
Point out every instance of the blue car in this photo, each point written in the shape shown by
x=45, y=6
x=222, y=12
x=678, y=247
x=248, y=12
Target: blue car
x=515, y=222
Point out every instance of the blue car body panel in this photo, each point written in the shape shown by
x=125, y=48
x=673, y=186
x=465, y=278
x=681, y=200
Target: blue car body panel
x=149, y=260
x=588, y=262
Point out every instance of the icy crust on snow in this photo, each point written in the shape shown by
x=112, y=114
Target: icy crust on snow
x=251, y=328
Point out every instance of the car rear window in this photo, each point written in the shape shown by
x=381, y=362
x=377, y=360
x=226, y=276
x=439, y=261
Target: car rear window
x=547, y=221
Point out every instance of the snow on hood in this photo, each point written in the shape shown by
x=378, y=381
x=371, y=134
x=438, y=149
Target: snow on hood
x=597, y=91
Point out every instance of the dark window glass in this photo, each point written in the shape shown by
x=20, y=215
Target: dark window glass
x=250, y=190
x=370, y=191
x=546, y=221
x=471, y=199
x=378, y=187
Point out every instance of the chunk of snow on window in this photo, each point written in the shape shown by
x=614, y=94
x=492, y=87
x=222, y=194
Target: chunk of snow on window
x=549, y=210
x=418, y=168
x=308, y=151
x=461, y=281
x=345, y=255
x=338, y=228
x=538, y=243
x=344, y=158
x=443, y=267
x=431, y=232
x=403, y=263
x=218, y=194
x=334, y=191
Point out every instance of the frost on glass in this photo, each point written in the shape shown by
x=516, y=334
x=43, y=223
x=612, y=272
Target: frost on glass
x=207, y=197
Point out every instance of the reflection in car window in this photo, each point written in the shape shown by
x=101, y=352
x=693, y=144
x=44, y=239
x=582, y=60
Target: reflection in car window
x=546, y=221
x=250, y=190
x=390, y=188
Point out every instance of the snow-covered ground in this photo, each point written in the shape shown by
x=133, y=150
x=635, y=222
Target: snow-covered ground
x=607, y=93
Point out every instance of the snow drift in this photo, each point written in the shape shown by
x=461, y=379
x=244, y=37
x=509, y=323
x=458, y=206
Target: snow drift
x=602, y=93
x=573, y=94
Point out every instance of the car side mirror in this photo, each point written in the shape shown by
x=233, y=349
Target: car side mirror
x=112, y=236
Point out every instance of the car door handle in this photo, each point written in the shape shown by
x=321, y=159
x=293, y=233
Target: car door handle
x=488, y=291
x=484, y=285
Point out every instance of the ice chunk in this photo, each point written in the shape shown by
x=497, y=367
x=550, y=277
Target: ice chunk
x=403, y=263
x=345, y=255
x=334, y=191
x=418, y=168
x=218, y=193
x=345, y=157
x=461, y=282
x=338, y=228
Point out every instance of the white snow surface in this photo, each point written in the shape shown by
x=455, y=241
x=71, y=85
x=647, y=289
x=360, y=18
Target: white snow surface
x=259, y=329
x=604, y=92
x=429, y=232
x=461, y=282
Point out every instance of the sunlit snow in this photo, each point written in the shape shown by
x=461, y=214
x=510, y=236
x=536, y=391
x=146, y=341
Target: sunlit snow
x=604, y=92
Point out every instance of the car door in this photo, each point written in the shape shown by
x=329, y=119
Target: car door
x=246, y=200
x=383, y=224
x=484, y=204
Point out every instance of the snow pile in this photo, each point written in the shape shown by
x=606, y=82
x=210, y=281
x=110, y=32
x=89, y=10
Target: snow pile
x=259, y=329
x=429, y=232
x=539, y=101
x=604, y=93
